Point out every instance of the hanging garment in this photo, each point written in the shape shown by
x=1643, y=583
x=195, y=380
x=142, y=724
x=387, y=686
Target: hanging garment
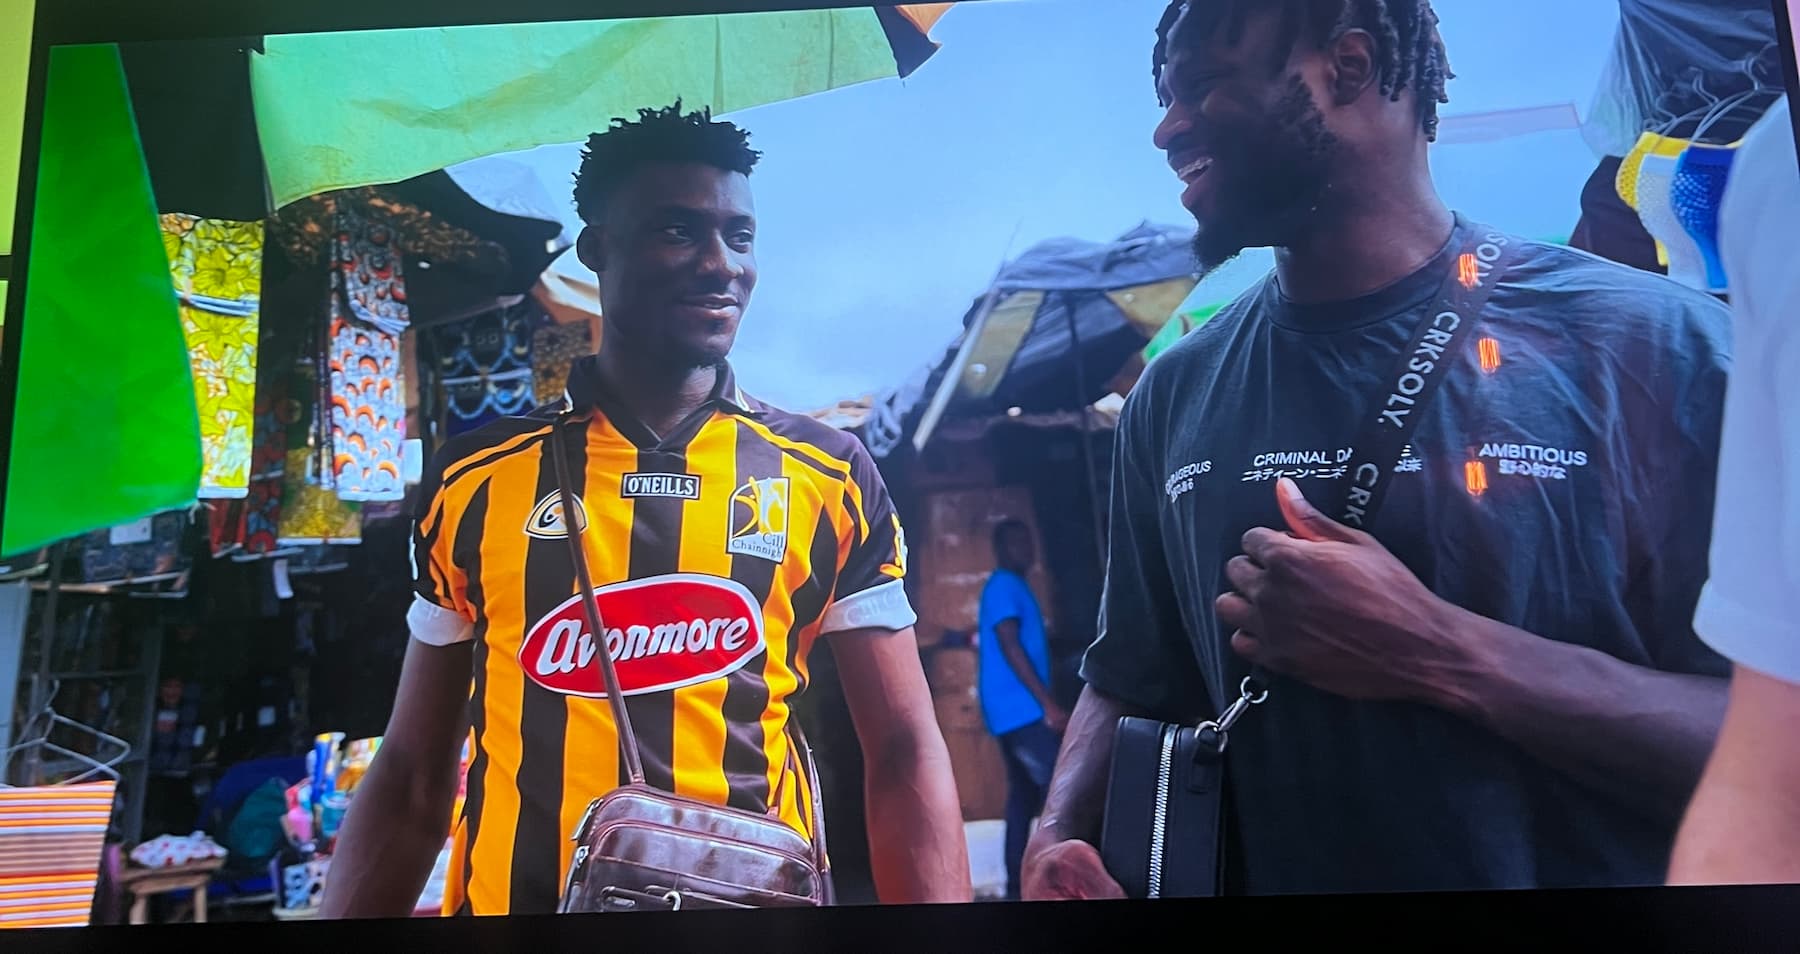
x=268, y=465
x=1656, y=209
x=248, y=528
x=1608, y=227
x=217, y=269
x=554, y=349
x=120, y=555
x=1698, y=191
x=225, y=527
x=368, y=412
x=1629, y=183
x=311, y=512
x=485, y=366
x=367, y=262
x=367, y=407
x=473, y=402
x=313, y=515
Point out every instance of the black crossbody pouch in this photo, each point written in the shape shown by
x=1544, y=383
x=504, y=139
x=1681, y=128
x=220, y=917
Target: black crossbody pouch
x=1166, y=823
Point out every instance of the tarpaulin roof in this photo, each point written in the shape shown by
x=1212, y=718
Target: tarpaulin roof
x=1053, y=333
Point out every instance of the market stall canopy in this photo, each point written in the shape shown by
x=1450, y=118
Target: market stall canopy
x=1060, y=328
x=108, y=429
x=342, y=110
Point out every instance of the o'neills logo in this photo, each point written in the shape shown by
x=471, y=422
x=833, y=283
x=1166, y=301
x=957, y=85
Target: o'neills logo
x=662, y=633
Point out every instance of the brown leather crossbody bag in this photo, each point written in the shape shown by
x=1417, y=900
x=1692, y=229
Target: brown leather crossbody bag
x=639, y=848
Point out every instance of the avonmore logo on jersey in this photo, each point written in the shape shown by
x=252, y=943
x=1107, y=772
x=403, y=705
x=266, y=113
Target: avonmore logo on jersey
x=662, y=633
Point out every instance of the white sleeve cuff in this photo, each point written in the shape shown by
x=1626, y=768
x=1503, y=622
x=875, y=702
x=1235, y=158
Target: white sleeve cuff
x=883, y=606
x=1748, y=637
x=434, y=625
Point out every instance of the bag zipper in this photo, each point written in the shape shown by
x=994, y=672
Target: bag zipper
x=616, y=824
x=1165, y=766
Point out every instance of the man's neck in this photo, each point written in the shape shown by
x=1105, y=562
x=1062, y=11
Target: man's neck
x=1387, y=235
x=658, y=395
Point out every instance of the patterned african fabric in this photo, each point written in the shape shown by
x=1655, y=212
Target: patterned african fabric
x=217, y=270
x=367, y=397
x=556, y=347
x=485, y=366
x=311, y=512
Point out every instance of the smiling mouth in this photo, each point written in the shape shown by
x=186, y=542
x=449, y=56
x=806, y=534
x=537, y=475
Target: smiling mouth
x=1194, y=170
x=711, y=302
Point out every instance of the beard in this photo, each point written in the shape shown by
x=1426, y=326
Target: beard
x=1278, y=173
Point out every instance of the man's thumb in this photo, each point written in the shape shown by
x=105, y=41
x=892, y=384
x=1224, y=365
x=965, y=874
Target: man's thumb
x=1303, y=519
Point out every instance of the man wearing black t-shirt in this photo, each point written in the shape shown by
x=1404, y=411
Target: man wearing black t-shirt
x=1494, y=683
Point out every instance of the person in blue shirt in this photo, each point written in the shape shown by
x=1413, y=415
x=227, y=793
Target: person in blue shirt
x=1015, y=688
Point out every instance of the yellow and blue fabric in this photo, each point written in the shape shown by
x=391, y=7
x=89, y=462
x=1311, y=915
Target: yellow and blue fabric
x=1698, y=191
x=1629, y=182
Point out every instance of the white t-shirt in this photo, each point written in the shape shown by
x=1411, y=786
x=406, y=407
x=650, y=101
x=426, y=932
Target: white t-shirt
x=1750, y=609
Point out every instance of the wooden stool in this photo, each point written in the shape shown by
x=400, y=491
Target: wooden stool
x=141, y=883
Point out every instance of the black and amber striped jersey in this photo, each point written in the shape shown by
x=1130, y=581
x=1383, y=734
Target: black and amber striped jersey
x=720, y=552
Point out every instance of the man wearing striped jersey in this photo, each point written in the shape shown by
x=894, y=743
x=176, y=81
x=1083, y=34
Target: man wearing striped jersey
x=725, y=537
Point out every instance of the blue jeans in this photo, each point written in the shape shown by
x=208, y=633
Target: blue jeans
x=1030, y=754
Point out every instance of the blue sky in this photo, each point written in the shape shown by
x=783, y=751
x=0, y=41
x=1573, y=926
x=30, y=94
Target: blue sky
x=886, y=208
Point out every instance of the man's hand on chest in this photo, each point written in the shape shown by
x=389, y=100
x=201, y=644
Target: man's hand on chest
x=1330, y=606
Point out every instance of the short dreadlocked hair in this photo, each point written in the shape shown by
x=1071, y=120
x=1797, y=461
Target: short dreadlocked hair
x=659, y=135
x=1410, y=53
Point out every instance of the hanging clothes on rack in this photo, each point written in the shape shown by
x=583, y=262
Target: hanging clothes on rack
x=1656, y=210
x=248, y=529
x=554, y=350
x=368, y=313
x=485, y=367
x=1697, y=192
x=311, y=512
x=1630, y=182
x=217, y=270
x=149, y=550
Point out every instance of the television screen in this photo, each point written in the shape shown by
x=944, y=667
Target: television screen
x=740, y=459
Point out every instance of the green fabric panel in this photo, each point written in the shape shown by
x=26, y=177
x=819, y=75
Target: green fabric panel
x=106, y=429
x=342, y=110
x=15, y=64
x=1183, y=322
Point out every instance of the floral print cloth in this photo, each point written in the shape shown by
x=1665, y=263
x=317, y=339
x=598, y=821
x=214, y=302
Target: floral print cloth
x=217, y=270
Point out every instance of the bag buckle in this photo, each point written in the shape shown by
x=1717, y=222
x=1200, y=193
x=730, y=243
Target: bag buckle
x=1250, y=693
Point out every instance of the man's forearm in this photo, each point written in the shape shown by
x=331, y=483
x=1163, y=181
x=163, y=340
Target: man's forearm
x=916, y=842
x=1638, y=733
x=1744, y=824
x=388, y=843
x=1076, y=802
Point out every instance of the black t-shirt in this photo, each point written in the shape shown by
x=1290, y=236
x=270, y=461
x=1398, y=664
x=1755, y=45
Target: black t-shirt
x=1597, y=433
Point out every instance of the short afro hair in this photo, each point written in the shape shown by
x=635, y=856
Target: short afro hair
x=659, y=135
x=1007, y=528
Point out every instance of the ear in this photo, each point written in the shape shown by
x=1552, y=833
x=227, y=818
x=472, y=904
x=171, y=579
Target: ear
x=1350, y=67
x=591, y=250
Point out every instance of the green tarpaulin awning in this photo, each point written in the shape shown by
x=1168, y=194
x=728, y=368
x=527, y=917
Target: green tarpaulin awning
x=106, y=429
x=342, y=110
